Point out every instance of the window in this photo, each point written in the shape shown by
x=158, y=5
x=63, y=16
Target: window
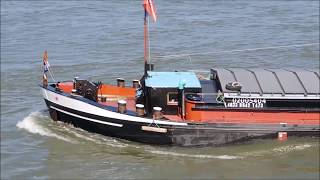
x=172, y=98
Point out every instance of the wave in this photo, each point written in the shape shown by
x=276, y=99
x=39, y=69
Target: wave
x=279, y=150
x=95, y=138
x=30, y=124
x=290, y=148
x=255, y=153
x=204, y=156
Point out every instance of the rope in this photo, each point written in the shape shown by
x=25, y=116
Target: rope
x=237, y=50
x=51, y=74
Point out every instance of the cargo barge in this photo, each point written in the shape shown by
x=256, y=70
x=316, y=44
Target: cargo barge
x=232, y=105
x=198, y=113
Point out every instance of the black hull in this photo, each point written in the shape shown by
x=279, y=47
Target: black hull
x=190, y=135
x=130, y=131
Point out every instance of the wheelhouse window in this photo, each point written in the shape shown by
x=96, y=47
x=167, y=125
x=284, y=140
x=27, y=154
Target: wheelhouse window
x=172, y=98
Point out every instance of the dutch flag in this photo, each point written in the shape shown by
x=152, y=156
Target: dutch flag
x=46, y=64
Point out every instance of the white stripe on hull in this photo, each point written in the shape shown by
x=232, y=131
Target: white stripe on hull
x=94, y=110
x=89, y=119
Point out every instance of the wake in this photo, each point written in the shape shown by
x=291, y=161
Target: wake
x=201, y=156
x=39, y=123
x=33, y=124
x=30, y=124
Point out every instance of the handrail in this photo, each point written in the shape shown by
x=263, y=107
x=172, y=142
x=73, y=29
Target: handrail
x=233, y=74
x=304, y=88
x=256, y=78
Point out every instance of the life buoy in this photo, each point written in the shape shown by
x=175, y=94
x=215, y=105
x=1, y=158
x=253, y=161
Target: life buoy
x=234, y=86
x=193, y=97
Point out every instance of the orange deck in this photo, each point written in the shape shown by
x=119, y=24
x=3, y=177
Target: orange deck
x=104, y=91
x=112, y=94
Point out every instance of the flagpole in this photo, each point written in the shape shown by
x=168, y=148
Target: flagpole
x=149, y=10
x=46, y=65
x=148, y=41
x=145, y=41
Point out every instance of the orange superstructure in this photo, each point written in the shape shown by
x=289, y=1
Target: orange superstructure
x=112, y=90
x=65, y=86
x=104, y=90
x=261, y=116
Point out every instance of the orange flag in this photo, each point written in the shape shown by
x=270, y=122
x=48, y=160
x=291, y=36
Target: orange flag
x=150, y=9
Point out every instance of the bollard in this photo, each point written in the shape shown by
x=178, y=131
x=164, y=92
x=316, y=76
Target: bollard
x=103, y=99
x=140, y=109
x=57, y=87
x=136, y=84
x=75, y=82
x=73, y=91
x=120, y=82
x=157, y=114
x=122, y=106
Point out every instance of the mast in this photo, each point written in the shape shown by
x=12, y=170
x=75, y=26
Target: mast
x=146, y=44
x=150, y=10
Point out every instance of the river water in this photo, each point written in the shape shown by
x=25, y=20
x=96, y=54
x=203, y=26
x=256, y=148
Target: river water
x=103, y=40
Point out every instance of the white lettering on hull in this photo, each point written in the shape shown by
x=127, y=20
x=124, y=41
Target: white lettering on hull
x=247, y=103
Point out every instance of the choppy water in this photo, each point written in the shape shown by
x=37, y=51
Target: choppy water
x=103, y=40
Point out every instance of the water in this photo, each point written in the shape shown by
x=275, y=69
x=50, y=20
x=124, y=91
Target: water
x=103, y=40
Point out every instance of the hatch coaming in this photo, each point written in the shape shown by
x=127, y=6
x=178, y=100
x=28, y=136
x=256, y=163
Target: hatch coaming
x=269, y=83
x=293, y=89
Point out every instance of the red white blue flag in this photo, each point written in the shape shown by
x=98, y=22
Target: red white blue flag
x=46, y=64
x=150, y=9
